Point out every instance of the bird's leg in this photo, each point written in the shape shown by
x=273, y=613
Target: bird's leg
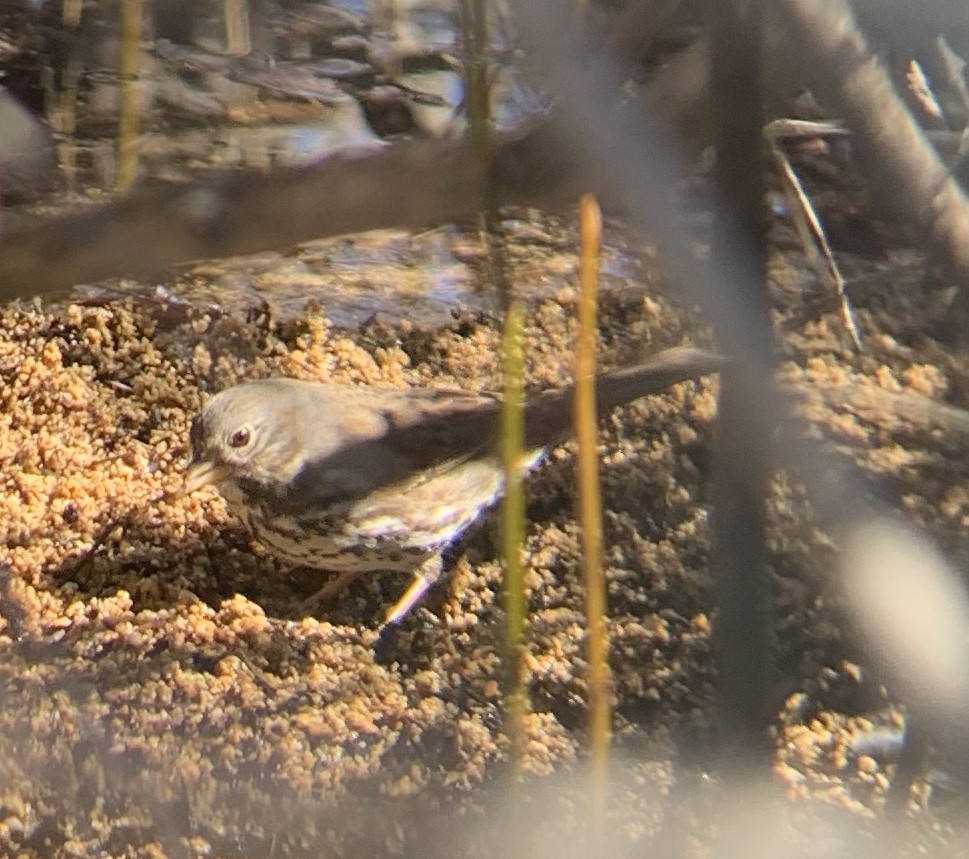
x=331, y=589
x=424, y=576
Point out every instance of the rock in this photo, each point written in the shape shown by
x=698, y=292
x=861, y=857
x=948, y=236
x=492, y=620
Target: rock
x=28, y=162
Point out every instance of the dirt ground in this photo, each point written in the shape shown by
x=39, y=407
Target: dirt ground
x=162, y=694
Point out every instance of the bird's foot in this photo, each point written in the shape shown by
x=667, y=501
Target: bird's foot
x=332, y=589
x=425, y=576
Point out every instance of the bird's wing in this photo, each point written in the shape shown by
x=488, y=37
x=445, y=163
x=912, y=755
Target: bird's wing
x=393, y=436
x=438, y=426
x=389, y=437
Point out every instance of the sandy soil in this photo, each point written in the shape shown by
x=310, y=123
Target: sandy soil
x=164, y=696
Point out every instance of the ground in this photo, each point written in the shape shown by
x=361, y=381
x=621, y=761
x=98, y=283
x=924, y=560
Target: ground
x=163, y=694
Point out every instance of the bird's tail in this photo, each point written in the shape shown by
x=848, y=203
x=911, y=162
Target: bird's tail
x=548, y=417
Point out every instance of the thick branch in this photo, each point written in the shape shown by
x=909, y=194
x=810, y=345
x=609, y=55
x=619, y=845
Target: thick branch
x=407, y=185
x=897, y=154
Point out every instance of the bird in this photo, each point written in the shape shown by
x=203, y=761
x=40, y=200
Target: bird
x=356, y=480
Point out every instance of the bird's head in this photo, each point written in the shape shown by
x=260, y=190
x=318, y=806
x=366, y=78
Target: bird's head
x=249, y=432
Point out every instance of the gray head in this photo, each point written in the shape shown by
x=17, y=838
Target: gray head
x=267, y=432
x=249, y=431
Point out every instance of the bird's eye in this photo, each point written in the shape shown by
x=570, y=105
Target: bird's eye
x=239, y=437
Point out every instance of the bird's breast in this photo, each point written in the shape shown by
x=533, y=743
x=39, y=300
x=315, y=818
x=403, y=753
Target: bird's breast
x=393, y=528
x=326, y=541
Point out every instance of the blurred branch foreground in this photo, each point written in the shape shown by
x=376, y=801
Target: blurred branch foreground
x=409, y=185
x=637, y=169
x=418, y=184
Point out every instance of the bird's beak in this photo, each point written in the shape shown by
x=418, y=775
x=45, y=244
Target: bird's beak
x=204, y=473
